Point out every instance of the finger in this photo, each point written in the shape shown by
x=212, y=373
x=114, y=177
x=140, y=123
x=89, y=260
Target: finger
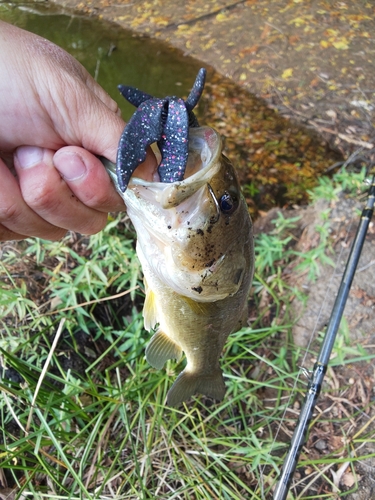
x=17, y=220
x=8, y=235
x=82, y=119
x=48, y=195
x=99, y=129
x=87, y=178
x=102, y=94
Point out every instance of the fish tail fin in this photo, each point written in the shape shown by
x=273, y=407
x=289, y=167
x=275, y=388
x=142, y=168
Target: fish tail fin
x=160, y=349
x=187, y=384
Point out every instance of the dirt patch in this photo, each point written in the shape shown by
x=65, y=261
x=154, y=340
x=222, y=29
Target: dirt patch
x=345, y=410
x=359, y=310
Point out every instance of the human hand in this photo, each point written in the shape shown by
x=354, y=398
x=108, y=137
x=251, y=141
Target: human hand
x=54, y=119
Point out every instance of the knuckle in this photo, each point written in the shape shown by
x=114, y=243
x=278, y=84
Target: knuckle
x=41, y=198
x=97, y=200
x=10, y=212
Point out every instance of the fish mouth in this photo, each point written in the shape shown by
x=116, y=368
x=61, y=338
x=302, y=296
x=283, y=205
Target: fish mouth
x=204, y=149
x=175, y=210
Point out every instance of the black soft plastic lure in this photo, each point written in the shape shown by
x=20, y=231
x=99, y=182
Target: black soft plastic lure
x=164, y=121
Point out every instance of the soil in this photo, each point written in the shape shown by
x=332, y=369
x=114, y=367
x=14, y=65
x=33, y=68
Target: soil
x=313, y=62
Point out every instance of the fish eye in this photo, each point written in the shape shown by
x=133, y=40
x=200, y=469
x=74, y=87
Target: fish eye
x=228, y=203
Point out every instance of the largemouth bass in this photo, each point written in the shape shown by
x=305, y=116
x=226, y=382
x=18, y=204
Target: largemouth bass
x=195, y=245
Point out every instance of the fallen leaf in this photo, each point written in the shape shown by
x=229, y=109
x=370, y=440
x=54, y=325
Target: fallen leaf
x=298, y=21
x=287, y=73
x=249, y=50
x=314, y=82
x=266, y=31
x=293, y=39
x=348, y=479
x=341, y=44
x=221, y=17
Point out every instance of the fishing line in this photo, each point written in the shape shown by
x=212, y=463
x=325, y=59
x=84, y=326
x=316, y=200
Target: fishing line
x=320, y=367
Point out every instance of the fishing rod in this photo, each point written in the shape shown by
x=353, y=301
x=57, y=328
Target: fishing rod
x=320, y=367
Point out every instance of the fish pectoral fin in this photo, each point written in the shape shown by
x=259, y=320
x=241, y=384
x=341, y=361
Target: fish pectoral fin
x=201, y=308
x=187, y=384
x=149, y=308
x=160, y=349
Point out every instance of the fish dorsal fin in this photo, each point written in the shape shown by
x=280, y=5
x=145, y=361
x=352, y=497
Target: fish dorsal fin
x=160, y=349
x=149, y=308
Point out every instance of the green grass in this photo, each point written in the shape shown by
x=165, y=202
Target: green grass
x=82, y=412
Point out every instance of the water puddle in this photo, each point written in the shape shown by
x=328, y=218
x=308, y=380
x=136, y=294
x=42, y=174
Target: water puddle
x=277, y=160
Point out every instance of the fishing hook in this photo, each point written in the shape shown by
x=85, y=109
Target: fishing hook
x=214, y=219
x=320, y=367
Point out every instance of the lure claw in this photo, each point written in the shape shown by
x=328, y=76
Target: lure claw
x=134, y=95
x=143, y=128
x=174, y=144
x=194, y=96
x=164, y=121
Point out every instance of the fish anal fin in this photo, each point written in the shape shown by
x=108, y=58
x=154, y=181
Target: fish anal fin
x=187, y=384
x=160, y=349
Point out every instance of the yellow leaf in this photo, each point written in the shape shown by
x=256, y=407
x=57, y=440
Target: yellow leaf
x=297, y=21
x=341, y=44
x=243, y=76
x=161, y=20
x=324, y=44
x=332, y=32
x=209, y=44
x=183, y=27
x=287, y=73
x=221, y=17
